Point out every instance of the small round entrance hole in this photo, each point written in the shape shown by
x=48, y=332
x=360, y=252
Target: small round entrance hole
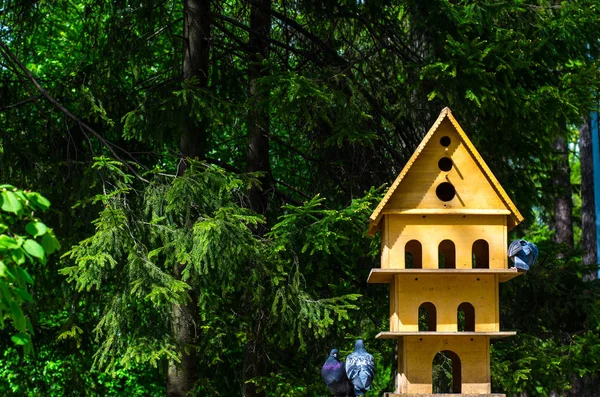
x=445, y=164
x=445, y=191
x=445, y=141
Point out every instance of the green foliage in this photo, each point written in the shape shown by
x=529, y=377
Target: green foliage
x=195, y=223
x=347, y=92
x=557, y=316
x=442, y=373
x=24, y=242
x=55, y=372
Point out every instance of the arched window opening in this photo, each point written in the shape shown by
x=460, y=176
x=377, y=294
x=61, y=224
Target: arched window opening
x=413, y=255
x=466, y=317
x=446, y=373
x=481, y=255
x=427, y=317
x=447, y=255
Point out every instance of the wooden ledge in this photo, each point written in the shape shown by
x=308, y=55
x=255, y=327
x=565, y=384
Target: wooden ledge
x=383, y=276
x=444, y=211
x=492, y=335
x=442, y=395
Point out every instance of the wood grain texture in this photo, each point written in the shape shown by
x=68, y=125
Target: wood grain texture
x=418, y=187
x=473, y=353
x=386, y=276
x=441, y=251
x=400, y=335
x=431, y=230
x=415, y=187
x=442, y=395
x=446, y=292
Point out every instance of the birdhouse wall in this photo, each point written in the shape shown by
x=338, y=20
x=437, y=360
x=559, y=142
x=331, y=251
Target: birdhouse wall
x=417, y=190
x=415, y=362
x=422, y=236
x=446, y=293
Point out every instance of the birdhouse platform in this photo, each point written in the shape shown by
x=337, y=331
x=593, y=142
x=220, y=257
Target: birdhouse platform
x=444, y=226
x=443, y=395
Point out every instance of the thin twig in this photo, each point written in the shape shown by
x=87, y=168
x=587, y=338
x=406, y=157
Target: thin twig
x=64, y=110
x=14, y=105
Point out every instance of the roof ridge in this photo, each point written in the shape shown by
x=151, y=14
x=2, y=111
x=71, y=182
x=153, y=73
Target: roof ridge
x=409, y=163
x=487, y=171
x=446, y=112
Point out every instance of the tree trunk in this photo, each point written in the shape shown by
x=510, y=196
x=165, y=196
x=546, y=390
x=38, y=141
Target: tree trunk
x=423, y=112
x=588, y=211
x=255, y=361
x=196, y=49
x=182, y=377
x=563, y=203
x=192, y=144
x=258, y=112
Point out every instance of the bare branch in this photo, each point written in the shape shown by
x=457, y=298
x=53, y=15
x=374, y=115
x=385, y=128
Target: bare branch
x=277, y=43
x=9, y=54
x=14, y=105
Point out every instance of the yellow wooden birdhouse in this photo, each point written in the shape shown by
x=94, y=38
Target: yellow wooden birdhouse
x=444, y=224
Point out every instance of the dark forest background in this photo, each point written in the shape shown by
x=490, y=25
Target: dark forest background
x=211, y=166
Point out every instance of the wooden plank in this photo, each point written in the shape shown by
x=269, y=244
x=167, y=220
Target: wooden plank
x=419, y=186
x=443, y=395
x=492, y=335
x=472, y=354
x=393, y=307
x=446, y=293
x=430, y=230
x=385, y=276
x=437, y=211
x=479, y=184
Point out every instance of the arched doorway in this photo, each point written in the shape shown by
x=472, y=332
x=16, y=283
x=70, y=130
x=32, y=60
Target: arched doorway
x=481, y=255
x=466, y=317
x=446, y=373
x=427, y=317
x=413, y=255
x=447, y=255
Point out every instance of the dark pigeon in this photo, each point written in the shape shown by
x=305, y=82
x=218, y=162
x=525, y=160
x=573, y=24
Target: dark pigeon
x=334, y=374
x=360, y=368
x=523, y=254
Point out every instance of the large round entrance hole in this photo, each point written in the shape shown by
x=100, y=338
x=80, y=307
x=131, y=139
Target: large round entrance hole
x=445, y=164
x=446, y=373
x=445, y=191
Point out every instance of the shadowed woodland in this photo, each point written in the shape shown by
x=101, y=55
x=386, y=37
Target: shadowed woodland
x=211, y=166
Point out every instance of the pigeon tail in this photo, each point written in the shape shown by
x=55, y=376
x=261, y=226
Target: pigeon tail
x=362, y=383
x=520, y=264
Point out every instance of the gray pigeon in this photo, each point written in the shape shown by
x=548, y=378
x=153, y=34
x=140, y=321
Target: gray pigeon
x=523, y=254
x=334, y=374
x=360, y=368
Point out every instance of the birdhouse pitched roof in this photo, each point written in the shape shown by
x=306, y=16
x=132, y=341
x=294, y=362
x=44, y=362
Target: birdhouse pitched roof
x=490, y=189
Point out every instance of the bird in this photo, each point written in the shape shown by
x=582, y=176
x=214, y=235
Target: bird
x=334, y=374
x=360, y=368
x=523, y=254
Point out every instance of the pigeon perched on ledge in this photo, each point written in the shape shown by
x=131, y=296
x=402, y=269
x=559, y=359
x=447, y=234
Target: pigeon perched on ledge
x=360, y=368
x=334, y=374
x=523, y=254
